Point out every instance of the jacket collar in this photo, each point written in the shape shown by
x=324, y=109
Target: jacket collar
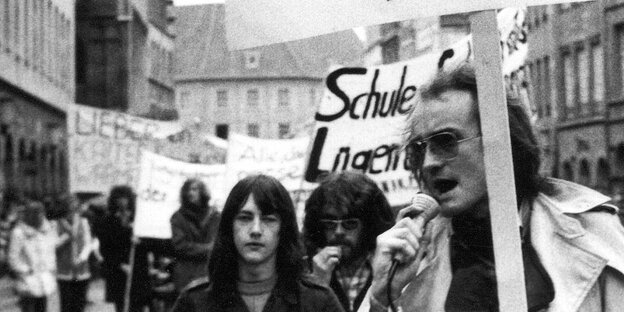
x=588, y=243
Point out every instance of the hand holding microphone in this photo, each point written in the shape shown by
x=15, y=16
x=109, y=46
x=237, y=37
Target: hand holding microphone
x=403, y=245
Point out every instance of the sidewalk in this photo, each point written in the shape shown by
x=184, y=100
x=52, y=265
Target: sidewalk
x=95, y=296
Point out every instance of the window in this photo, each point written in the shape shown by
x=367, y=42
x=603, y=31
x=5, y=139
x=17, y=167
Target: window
x=222, y=131
x=568, y=83
x=568, y=172
x=283, y=97
x=253, y=130
x=546, y=86
x=598, y=88
x=252, y=59
x=583, y=77
x=222, y=98
x=584, y=174
x=539, y=90
x=283, y=130
x=620, y=46
x=253, y=97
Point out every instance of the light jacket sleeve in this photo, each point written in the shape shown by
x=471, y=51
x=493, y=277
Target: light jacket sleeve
x=16, y=261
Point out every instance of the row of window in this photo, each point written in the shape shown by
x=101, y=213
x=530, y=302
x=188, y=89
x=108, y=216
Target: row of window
x=583, y=78
x=253, y=97
x=253, y=130
x=36, y=33
x=34, y=168
x=584, y=173
x=539, y=71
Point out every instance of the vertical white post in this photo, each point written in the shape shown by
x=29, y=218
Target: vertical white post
x=498, y=162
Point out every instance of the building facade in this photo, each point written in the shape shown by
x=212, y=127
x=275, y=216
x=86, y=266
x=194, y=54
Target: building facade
x=125, y=56
x=576, y=68
x=266, y=92
x=36, y=87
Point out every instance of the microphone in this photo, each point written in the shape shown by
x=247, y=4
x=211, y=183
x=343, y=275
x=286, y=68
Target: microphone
x=423, y=209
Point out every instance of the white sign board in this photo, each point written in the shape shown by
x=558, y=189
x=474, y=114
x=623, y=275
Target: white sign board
x=282, y=159
x=252, y=23
x=158, y=191
x=105, y=146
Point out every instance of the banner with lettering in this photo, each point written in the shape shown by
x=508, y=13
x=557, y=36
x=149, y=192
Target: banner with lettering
x=253, y=23
x=158, y=192
x=283, y=159
x=359, y=123
x=104, y=146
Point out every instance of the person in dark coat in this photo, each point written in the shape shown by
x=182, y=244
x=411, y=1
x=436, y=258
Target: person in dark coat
x=194, y=227
x=257, y=262
x=115, y=235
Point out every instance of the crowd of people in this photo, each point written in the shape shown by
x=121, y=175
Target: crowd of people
x=354, y=253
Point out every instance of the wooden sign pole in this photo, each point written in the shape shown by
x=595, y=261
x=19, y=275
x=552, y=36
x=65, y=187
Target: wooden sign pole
x=498, y=162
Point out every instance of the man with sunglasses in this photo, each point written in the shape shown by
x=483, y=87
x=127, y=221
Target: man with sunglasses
x=572, y=241
x=343, y=217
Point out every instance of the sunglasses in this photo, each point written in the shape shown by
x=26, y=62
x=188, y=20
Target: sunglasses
x=444, y=145
x=347, y=224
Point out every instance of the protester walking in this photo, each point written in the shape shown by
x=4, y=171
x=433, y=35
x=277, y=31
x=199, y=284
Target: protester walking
x=73, y=272
x=194, y=227
x=115, y=234
x=32, y=258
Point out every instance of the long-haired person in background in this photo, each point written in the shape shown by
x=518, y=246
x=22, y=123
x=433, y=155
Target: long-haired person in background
x=193, y=227
x=72, y=256
x=344, y=216
x=115, y=234
x=32, y=258
x=256, y=264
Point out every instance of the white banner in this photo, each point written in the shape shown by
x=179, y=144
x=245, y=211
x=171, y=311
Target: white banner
x=252, y=23
x=282, y=159
x=158, y=191
x=104, y=146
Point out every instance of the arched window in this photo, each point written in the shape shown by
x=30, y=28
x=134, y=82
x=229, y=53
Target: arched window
x=584, y=174
x=619, y=158
x=22, y=150
x=602, y=176
x=32, y=154
x=8, y=157
x=568, y=173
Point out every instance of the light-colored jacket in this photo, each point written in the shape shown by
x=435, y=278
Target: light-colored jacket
x=73, y=255
x=32, y=257
x=581, y=248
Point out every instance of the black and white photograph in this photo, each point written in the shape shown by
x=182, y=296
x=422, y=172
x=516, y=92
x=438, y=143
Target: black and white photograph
x=327, y=155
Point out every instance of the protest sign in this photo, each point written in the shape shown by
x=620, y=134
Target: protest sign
x=359, y=123
x=104, y=146
x=282, y=159
x=158, y=191
x=252, y=23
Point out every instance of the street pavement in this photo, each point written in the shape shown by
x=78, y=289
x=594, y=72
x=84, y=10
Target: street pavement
x=95, y=298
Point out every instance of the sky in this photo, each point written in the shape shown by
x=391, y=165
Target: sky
x=360, y=31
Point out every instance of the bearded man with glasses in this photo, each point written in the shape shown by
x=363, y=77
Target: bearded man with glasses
x=572, y=241
x=343, y=217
